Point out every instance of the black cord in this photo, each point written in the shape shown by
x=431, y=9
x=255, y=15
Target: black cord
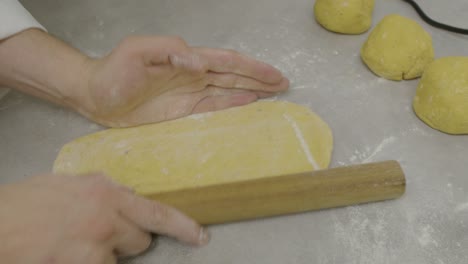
x=434, y=23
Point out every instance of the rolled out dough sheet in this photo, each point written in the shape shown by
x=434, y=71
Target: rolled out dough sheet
x=258, y=140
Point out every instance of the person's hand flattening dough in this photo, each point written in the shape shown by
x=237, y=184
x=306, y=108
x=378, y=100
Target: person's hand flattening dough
x=143, y=80
x=152, y=79
x=89, y=219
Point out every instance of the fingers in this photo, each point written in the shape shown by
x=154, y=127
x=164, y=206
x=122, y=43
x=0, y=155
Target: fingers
x=174, y=51
x=137, y=216
x=159, y=218
x=130, y=239
x=225, y=61
x=217, y=98
x=230, y=80
x=224, y=98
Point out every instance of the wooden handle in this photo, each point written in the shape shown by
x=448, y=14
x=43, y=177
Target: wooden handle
x=288, y=194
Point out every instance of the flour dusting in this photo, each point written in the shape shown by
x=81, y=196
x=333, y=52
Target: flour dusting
x=366, y=238
x=369, y=154
x=200, y=116
x=426, y=238
x=298, y=87
x=304, y=145
x=461, y=208
x=379, y=148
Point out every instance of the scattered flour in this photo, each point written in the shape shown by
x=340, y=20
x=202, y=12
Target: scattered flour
x=92, y=53
x=121, y=144
x=368, y=155
x=298, y=87
x=425, y=237
x=366, y=238
x=304, y=145
x=200, y=116
x=461, y=208
x=273, y=98
x=379, y=148
x=382, y=80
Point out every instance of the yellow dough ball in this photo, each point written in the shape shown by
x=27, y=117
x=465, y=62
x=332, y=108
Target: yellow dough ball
x=398, y=48
x=344, y=16
x=441, y=99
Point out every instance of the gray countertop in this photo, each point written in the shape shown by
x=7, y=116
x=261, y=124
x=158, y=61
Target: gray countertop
x=371, y=118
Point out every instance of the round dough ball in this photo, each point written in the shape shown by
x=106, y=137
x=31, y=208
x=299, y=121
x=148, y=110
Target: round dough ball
x=441, y=99
x=398, y=48
x=344, y=16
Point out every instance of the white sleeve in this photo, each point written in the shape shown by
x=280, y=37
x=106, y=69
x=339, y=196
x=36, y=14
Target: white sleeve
x=15, y=18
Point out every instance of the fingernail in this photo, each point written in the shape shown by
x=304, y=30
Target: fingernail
x=203, y=237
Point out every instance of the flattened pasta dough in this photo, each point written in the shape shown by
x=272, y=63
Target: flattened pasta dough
x=258, y=140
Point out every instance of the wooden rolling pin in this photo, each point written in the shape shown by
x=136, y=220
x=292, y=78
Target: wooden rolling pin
x=288, y=194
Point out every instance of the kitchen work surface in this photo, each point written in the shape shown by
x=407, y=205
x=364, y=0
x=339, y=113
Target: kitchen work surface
x=371, y=119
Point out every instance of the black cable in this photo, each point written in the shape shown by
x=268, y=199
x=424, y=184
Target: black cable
x=434, y=23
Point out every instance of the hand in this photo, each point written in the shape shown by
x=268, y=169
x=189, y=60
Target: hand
x=144, y=80
x=89, y=219
x=153, y=79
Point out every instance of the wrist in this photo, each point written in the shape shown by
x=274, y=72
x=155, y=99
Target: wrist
x=36, y=63
x=76, y=90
